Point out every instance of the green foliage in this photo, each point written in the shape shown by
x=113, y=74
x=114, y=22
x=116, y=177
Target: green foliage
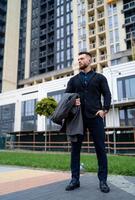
x=122, y=165
x=46, y=106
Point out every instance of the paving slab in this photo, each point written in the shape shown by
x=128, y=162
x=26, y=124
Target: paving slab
x=33, y=184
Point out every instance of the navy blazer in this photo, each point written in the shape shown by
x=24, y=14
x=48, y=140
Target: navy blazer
x=90, y=95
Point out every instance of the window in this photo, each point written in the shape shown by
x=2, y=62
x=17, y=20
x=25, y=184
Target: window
x=29, y=117
x=62, y=56
x=62, y=21
x=117, y=47
x=126, y=87
x=116, y=35
x=68, y=7
x=129, y=85
x=58, y=33
x=68, y=54
x=7, y=116
x=111, y=37
x=127, y=117
x=110, y=23
x=68, y=42
x=115, y=21
x=62, y=32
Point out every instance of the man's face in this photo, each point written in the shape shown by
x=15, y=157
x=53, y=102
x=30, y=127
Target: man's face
x=84, y=61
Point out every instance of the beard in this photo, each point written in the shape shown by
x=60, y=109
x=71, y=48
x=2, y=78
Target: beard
x=84, y=66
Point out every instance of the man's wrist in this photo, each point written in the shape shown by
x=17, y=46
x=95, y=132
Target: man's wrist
x=105, y=111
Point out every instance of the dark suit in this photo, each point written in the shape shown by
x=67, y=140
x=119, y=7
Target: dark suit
x=90, y=95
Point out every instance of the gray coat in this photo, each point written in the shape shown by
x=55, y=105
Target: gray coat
x=69, y=113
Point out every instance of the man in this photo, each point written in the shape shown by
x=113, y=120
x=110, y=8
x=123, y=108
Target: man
x=90, y=86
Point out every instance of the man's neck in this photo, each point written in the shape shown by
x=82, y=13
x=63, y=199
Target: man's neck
x=87, y=69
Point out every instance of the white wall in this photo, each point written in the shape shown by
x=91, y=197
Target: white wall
x=40, y=91
x=112, y=74
x=33, y=92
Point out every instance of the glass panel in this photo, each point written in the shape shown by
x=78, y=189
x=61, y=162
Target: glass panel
x=120, y=90
x=131, y=117
x=129, y=84
x=122, y=118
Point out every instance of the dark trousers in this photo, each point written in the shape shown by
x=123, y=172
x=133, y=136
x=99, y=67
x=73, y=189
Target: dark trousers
x=96, y=128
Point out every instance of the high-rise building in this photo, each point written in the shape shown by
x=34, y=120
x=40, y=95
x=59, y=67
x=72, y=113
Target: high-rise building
x=46, y=38
x=43, y=38
x=3, y=11
x=129, y=13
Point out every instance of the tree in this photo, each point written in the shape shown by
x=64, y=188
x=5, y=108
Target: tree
x=46, y=106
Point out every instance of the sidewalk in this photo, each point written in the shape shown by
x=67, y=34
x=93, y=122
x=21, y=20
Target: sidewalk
x=30, y=184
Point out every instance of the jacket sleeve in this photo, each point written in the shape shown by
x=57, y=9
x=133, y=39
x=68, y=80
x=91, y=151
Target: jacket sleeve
x=70, y=87
x=106, y=93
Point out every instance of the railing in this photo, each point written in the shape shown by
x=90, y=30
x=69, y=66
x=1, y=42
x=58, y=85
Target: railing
x=100, y=2
x=92, y=46
x=94, y=60
x=103, y=57
x=102, y=42
x=91, y=19
x=101, y=28
x=129, y=5
x=92, y=32
x=130, y=20
x=100, y=15
x=129, y=35
x=55, y=141
x=90, y=6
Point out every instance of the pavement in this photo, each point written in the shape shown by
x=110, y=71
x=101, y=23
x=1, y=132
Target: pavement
x=21, y=183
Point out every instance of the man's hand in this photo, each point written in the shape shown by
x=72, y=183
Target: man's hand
x=101, y=113
x=77, y=102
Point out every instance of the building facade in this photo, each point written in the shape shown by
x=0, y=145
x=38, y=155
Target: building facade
x=46, y=36
x=3, y=11
x=17, y=107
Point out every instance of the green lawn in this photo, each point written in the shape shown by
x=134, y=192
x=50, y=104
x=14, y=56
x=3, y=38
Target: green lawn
x=124, y=165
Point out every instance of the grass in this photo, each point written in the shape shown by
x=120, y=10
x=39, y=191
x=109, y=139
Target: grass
x=122, y=165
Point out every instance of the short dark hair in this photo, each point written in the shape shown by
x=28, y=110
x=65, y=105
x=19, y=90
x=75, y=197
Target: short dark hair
x=84, y=52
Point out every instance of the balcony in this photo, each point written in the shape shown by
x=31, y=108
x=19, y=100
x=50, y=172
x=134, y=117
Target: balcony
x=129, y=6
x=91, y=6
x=50, y=7
x=43, y=42
x=100, y=2
x=102, y=43
x=91, y=19
x=50, y=18
x=101, y=28
x=43, y=21
x=92, y=46
x=103, y=57
x=42, y=54
x=130, y=35
x=51, y=28
x=92, y=32
x=93, y=60
x=43, y=32
x=43, y=65
x=130, y=20
x=100, y=15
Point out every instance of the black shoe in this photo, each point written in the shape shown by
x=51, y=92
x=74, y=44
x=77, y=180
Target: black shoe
x=72, y=186
x=104, y=187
